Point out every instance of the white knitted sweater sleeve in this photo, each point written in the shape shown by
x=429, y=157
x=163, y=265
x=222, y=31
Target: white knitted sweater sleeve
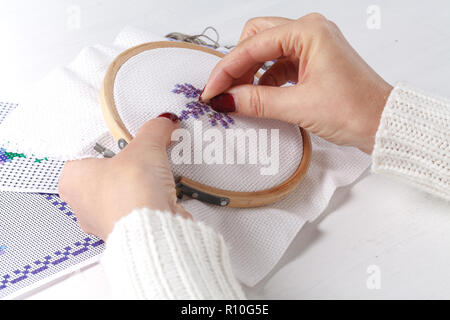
x=413, y=140
x=156, y=255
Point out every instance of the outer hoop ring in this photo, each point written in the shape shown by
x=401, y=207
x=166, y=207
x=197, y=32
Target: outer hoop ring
x=222, y=197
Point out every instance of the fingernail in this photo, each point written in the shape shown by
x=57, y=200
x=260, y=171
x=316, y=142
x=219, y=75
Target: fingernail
x=224, y=102
x=200, y=97
x=170, y=116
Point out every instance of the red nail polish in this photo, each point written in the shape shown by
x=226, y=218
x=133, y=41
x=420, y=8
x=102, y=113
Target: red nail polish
x=200, y=96
x=169, y=115
x=223, y=103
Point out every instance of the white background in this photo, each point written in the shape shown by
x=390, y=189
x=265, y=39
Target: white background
x=375, y=222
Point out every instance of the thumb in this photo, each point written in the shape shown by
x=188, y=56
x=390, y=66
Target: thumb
x=155, y=134
x=259, y=101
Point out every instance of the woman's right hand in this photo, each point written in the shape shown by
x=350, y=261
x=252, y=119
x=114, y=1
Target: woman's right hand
x=337, y=95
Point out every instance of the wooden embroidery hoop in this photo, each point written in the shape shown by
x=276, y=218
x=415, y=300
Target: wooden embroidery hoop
x=184, y=185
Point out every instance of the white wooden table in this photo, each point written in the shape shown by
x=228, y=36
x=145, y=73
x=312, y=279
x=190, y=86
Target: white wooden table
x=378, y=238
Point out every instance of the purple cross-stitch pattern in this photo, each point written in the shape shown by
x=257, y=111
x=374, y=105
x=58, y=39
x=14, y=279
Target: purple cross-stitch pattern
x=188, y=90
x=3, y=157
x=5, y=109
x=48, y=261
x=61, y=205
x=26, y=172
x=195, y=109
x=6, y=156
x=222, y=118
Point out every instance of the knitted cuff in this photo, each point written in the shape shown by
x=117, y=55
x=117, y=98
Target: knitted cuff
x=413, y=140
x=155, y=255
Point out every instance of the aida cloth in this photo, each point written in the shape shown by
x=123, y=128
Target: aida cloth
x=39, y=241
x=61, y=120
x=26, y=172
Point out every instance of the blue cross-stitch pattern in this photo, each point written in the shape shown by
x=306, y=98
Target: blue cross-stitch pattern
x=53, y=259
x=6, y=156
x=56, y=201
x=194, y=109
x=5, y=109
x=80, y=248
x=48, y=261
x=3, y=157
x=188, y=90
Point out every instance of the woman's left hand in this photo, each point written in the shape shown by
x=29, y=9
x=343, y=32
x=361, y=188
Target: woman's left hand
x=101, y=191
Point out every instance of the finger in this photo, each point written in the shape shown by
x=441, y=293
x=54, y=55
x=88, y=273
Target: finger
x=282, y=71
x=156, y=133
x=268, y=102
x=78, y=173
x=249, y=76
x=179, y=209
x=252, y=27
x=265, y=46
x=151, y=141
x=256, y=25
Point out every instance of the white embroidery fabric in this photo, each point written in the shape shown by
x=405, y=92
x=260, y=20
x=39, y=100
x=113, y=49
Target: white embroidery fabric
x=143, y=90
x=39, y=241
x=29, y=173
x=67, y=106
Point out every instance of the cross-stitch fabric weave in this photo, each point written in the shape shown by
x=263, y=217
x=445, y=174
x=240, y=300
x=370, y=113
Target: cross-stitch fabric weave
x=171, y=80
x=26, y=172
x=66, y=102
x=39, y=241
x=64, y=109
x=5, y=109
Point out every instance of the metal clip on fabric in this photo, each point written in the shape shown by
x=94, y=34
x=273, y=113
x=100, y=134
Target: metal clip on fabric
x=186, y=186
